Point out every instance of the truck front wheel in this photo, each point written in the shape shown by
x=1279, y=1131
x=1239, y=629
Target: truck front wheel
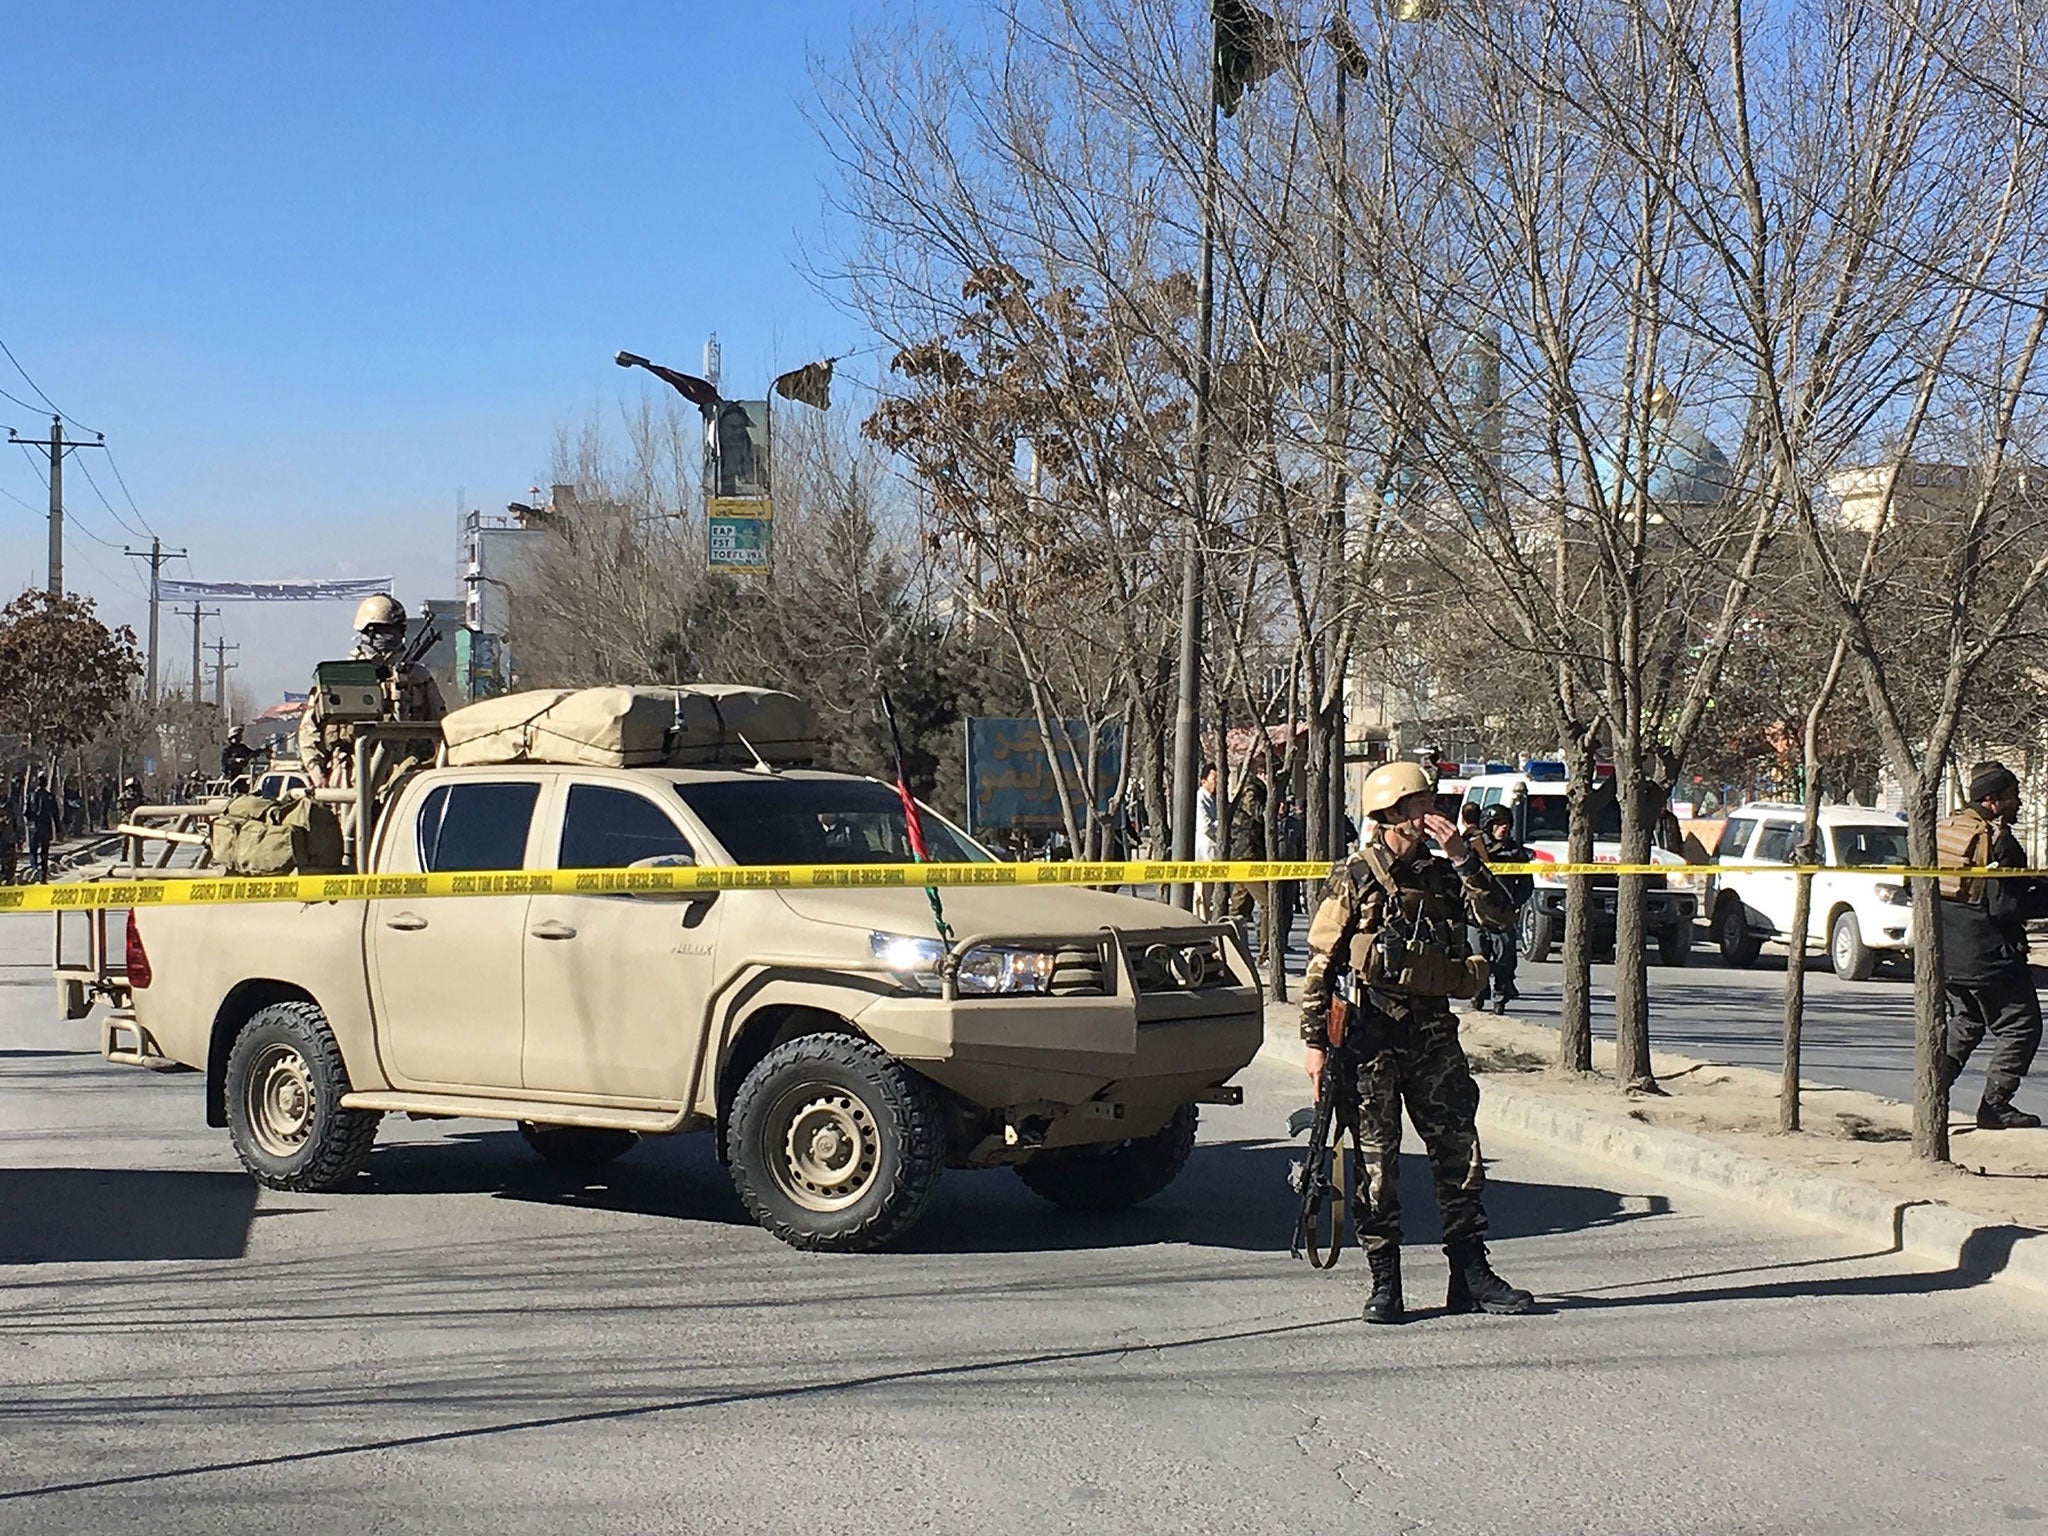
x=285, y=1079
x=1539, y=933
x=1113, y=1177
x=834, y=1145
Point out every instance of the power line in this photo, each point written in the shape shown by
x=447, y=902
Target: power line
x=38, y=468
x=4, y=395
x=32, y=384
x=112, y=511
x=122, y=480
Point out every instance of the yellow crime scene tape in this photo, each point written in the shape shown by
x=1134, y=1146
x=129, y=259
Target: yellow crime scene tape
x=180, y=889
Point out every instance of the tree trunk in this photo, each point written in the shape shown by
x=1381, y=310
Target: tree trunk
x=1632, y=1071
x=1930, y=1010
x=1575, y=1002
x=1795, y=979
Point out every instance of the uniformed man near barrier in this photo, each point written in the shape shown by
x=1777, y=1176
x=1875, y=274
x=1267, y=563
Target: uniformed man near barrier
x=410, y=693
x=1391, y=929
x=1989, y=983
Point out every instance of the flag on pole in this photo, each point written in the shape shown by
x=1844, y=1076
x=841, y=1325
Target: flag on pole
x=808, y=385
x=699, y=392
x=913, y=824
x=1249, y=48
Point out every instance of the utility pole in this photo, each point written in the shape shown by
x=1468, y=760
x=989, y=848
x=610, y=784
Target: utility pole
x=221, y=667
x=156, y=555
x=57, y=446
x=1187, y=740
x=198, y=672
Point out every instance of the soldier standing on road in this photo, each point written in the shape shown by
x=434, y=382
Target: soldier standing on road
x=40, y=813
x=1984, y=947
x=1497, y=845
x=10, y=842
x=410, y=693
x=1395, y=918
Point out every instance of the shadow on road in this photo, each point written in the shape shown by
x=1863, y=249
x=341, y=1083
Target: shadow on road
x=111, y=1215
x=1233, y=1194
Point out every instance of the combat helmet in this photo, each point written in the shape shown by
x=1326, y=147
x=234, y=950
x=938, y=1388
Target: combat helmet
x=1391, y=783
x=380, y=610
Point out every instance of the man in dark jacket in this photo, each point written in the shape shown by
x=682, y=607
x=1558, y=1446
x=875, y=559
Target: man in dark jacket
x=40, y=813
x=1984, y=946
x=1497, y=844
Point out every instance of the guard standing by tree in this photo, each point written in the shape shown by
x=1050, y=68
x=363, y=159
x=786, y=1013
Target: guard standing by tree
x=1984, y=947
x=1497, y=845
x=1394, y=918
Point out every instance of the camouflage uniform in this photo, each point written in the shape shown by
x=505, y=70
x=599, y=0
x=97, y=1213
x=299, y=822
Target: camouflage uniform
x=1406, y=1047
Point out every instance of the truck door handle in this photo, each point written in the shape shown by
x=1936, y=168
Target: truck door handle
x=406, y=922
x=552, y=930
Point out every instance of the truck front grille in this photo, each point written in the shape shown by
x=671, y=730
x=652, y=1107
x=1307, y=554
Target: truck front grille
x=1173, y=965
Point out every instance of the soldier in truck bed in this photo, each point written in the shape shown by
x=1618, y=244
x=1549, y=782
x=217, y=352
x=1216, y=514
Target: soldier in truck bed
x=1395, y=918
x=410, y=693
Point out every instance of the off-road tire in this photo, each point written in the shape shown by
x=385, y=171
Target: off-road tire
x=285, y=1079
x=1852, y=959
x=1113, y=1177
x=578, y=1146
x=1674, y=943
x=840, y=1084
x=1539, y=933
x=1739, y=946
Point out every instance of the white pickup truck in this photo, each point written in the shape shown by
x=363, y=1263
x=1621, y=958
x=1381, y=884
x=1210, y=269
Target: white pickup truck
x=842, y=1053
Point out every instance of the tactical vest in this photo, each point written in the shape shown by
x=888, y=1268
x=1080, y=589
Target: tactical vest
x=1412, y=940
x=1963, y=841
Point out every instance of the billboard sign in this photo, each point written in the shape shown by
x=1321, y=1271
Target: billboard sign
x=738, y=533
x=1009, y=771
x=737, y=445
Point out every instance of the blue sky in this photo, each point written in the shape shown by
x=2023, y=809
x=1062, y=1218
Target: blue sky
x=315, y=268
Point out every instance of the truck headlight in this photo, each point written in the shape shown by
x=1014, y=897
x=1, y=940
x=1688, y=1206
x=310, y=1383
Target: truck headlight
x=1894, y=895
x=993, y=971
x=914, y=960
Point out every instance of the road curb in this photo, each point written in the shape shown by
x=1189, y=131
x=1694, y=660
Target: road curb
x=1977, y=1248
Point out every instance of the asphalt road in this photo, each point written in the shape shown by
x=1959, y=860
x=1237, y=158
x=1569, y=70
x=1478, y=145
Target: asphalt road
x=471, y=1342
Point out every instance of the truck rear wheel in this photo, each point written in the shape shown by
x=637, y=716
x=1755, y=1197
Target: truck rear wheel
x=1539, y=933
x=1674, y=942
x=835, y=1146
x=1115, y=1176
x=285, y=1079
x=577, y=1146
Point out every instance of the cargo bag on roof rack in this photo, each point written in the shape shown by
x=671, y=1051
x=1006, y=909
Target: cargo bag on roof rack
x=639, y=727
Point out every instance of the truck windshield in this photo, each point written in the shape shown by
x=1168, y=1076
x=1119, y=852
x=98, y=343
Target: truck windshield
x=819, y=821
x=1547, y=818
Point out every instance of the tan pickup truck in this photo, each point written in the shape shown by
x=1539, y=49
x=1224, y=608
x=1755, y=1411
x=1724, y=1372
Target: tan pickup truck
x=842, y=1054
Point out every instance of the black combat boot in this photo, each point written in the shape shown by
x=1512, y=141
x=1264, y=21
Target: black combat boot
x=1999, y=1115
x=1384, y=1305
x=1476, y=1288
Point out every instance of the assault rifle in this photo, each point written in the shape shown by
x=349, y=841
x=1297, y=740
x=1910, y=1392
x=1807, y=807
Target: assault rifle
x=1319, y=1177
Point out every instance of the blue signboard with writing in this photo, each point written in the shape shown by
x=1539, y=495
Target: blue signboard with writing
x=1009, y=772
